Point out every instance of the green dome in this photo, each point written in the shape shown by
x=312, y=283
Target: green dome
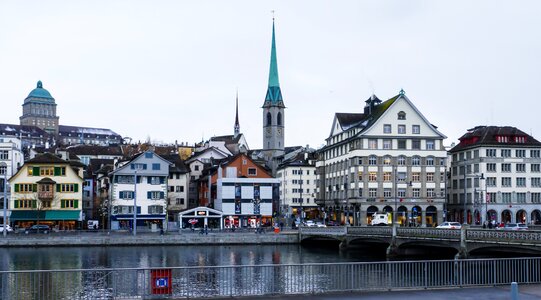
x=40, y=92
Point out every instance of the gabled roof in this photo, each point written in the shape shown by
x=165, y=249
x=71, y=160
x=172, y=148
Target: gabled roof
x=488, y=136
x=177, y=165
x=24, y=130
x=64, y=129
x=47, y=158
x=94, y=150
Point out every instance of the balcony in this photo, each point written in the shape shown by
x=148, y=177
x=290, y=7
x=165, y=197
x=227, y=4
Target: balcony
x=45, y=195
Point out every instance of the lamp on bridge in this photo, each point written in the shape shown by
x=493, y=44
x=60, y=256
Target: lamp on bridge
x=464, y=214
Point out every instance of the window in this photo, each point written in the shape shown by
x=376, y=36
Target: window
x=155, y=180
x=69, y=203
x=536, y=182
x=416, y=161
x=138, y=166
x=125, y=195
x=402, y=129
x=372, y=193
x=506, y=152
x=521, y=167
x=401, y=160
x=67, y=187
x=430, y=161
x=46, y=171
x=491, y=167
x=387, y=160
x=372, y=176
x=416, y=176
x=401, y=193
x=430, y=177
x=491, y=153
x=387, y=176
x=148, y=155
x=415, y=129
x=372, y=160
x=180, y=201
x=386, y=128
x=521, y=197
x=506, y=197
x=520, y=153
x=506, y=167
x=25, y=187
x=279, y=119
x=154, y=195
x=416, y=193
x=430, y=145
x=535, y=167
x=535, y=153
x=387, y=144
x=387, y=193
x=269, y=119
x=401, y=115
x=360, y=175
x=521, y=181
x=491, y=181
x=430, y=193
x=196, y=167
x=506, y=181
x=401, y=176
x=416, y=144
x=156, y=167
x=127, y=179
x=252, y=171
x=536, y=197
x=4, y=154
x=155, y=209
x=372, y=144
x=180, y=189
x=401, y=144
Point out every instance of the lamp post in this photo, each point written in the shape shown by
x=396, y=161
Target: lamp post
x=135, y=202
x=4, y=166
x=300, y=193
x=395, y=212
x=464, y=215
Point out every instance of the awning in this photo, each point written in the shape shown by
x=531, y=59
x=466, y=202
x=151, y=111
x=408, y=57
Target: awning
x=47, y=215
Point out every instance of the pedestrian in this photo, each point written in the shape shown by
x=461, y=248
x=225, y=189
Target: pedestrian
x=161, y=230
x=484, y=224
x=489, y=225
x=281, y=226
x=206, y=230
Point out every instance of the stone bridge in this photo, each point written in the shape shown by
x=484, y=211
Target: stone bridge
x=464, y=241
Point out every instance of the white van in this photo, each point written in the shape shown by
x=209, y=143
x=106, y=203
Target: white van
x=92, y=224
x=381, y=219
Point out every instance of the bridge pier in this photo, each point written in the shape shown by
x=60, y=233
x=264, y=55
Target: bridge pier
x=343, y=244
x=463, y=250
x=392, y=250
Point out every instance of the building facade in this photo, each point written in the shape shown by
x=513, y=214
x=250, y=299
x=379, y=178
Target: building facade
x=389, y=158
x=141, y=183
x=39, y=109
x=496, y=175
x=47, y=190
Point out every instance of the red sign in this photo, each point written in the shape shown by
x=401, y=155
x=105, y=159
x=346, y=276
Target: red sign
x=193, y=221
x=161, y=281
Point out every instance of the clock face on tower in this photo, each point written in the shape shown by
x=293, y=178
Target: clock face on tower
x=279, y=131
x=268, y=131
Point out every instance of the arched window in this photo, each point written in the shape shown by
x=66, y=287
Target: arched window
x=401, y=115
x=387, y=160
x=269, y=119
x=401, y=160
x=279, y=119
x=372, y=160
x=416, y=161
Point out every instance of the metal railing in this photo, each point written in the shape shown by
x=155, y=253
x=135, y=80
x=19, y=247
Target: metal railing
x=228, y=281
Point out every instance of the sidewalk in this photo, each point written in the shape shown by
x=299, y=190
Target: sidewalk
x=526, y=292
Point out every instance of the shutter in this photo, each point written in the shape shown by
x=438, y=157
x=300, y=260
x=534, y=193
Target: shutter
x=34, y=187
x=35, y=171
x=162, y=180
x=76, y=187
x=34, y=203
x=58, y=188
x=162, y=195
x=62, y=204
x=57, y=171
x=149, y=180
x=16, y=203
x=121, y=195
x=16, y=188
x=149, y=195
x=75, y=203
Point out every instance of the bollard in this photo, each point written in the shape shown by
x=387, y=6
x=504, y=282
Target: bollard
x=514, y=291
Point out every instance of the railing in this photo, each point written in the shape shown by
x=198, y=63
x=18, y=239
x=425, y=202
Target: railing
x=234, y=281
x=333, y=230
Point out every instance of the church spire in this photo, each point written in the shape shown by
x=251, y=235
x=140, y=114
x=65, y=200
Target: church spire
x=237, y=125
x=274, y=94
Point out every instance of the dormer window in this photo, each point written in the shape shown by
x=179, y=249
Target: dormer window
x=502, y=139
x=520, y=139
x=401, y=115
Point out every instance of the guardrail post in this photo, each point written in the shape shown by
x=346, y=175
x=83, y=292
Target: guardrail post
x=514, y=291
x=392, y=250
x=463, y=250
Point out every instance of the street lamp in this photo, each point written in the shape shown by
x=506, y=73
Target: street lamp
x=4, y=166
x=464, y=214
x=135, y=201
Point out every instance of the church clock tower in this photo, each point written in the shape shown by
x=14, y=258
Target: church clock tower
x=273, y=110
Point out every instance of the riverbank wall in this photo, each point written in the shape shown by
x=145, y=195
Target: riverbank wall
x=146, y=239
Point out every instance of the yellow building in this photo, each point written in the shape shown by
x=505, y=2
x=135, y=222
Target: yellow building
x=47, y=190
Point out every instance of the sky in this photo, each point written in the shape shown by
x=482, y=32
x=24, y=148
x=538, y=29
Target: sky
x=170, y=70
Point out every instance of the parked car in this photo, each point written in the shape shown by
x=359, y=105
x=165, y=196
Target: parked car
x=320, y=224
x=38, y=228
x=309, y=223
x=515, y=226
x=8, y=229
x=450, y=225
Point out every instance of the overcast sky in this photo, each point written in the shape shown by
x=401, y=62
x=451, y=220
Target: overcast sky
x=169, y=70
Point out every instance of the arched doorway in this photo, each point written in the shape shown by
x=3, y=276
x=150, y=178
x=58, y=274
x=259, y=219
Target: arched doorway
x=522, y=217
x=402, y=215
x=506, y=216
x=431, y=216
x=387, y=209
x=477, y=217
x=536, y=217
x=469, y=217
x=493, y=215
x=369, y=212
x=416, y=213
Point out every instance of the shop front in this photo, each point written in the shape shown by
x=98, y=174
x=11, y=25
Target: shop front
x=56, y=219
x=200, y=217
x=151, y=222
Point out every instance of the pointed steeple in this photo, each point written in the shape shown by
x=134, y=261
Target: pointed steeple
x=274, y=94
x=237, y=125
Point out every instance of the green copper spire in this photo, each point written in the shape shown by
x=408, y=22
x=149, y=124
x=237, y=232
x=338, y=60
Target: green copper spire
x=274, y=94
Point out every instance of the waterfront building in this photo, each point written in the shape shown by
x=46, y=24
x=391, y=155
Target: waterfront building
x=495, y=175
x=389, y=158
x=177, y=183
x=297, y=175
x=140, y=182
x=30, y=136
x=88, y=152
x=73, y=135
x=47, y=190
x=11, y=159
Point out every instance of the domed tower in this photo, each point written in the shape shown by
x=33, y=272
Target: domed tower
x=39, y=109
x=273, y=110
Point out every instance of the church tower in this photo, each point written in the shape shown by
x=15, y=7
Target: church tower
x=236, y=129
x=273, y=110
x=39, y=109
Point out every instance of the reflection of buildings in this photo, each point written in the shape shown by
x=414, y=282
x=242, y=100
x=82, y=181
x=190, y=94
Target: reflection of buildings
x=509, y=162
x=389, y=153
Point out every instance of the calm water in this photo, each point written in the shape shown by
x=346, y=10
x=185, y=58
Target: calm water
x=172, y=256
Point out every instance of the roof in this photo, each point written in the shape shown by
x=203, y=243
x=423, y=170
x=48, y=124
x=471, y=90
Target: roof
x=274, y=93
x=94, y=150
x=41, y=93
x=25, y=130
x=178, y=165
x=90, y=131
x=488, y=136
x=47, y=158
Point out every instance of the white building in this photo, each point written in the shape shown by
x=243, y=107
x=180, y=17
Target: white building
x=389, y=158
x=497, y=170
x=11, y=154
x=149, y=192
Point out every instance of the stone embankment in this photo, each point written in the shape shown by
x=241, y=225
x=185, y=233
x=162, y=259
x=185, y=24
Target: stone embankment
x=104, y=238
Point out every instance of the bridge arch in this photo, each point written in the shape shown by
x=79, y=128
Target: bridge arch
x=536, y=217
x=522, y=216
